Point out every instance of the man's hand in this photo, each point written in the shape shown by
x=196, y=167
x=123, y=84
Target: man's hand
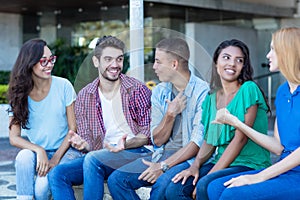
x=177, y=105
x=53, y=162
x=152, y=173
x=77, y=142
x=120, y=146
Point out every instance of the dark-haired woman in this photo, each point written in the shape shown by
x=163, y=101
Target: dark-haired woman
x=281, y=180
x=41, y=107
x=231, y=87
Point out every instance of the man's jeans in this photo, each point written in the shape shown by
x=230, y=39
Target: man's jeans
x=28, y=183
x=64, y=176
x=99, y=165
x=123, y=182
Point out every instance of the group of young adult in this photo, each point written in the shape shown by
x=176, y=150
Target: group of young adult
x=209, y=141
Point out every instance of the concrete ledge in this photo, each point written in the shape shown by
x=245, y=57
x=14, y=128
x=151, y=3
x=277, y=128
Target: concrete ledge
x=4, y=121
x=143, y=192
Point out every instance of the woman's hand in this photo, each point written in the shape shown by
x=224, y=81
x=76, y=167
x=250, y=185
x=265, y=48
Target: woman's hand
x=223, y=116
x=185, y=174
x=243, y=180
x=42, y=164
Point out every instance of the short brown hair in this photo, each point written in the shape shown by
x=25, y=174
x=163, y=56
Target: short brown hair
x=177, y=47
x=108, y=41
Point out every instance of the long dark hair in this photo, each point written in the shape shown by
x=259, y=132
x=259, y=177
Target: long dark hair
x=21, y=82
x=247, y=70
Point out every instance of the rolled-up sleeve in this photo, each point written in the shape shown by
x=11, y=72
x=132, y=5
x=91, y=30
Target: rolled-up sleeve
x=143, y=108
x=197, y=132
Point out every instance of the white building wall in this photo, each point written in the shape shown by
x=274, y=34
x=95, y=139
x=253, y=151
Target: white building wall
x=11, y=39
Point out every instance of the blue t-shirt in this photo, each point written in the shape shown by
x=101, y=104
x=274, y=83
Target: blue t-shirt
x=288, y=117
x=47, y=123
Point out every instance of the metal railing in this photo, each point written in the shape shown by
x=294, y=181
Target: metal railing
x=269, y=90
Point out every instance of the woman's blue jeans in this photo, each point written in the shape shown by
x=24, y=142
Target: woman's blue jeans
x=284, y=186
x=179, y=191
x=28, y=183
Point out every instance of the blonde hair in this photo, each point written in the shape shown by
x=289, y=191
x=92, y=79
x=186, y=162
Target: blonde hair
x=286, y=43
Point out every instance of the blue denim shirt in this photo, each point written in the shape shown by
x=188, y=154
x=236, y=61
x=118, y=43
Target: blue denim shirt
x=192, y=129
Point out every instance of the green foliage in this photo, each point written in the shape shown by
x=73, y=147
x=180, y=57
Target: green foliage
x=4, y=77
x=3, y=94
x=69, y=59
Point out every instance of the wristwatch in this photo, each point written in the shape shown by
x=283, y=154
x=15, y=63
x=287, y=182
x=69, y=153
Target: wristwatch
x=164, y=166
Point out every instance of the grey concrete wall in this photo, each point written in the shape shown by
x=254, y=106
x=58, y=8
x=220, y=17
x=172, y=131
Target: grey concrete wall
x=11, y=39
x=209, y=36
x=206, y=37
x=48, y=30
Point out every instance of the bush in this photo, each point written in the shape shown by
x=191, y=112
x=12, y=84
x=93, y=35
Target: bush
x=3, y=94
x=68, y=60
x=4, y=77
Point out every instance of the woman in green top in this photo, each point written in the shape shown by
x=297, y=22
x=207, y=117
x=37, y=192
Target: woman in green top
x=232, y=87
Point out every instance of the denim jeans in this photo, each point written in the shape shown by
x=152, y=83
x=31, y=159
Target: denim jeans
x=28, y=183
x=284, y=186
x=123, y=182
x=99, y=165
x=64, y=176
x=179, y=191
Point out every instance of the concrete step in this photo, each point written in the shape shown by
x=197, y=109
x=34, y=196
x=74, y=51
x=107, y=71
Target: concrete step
x=3, y=120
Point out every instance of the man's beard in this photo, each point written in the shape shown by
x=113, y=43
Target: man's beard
x=104, y=75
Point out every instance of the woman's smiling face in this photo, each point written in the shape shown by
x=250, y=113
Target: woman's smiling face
x=230, y=63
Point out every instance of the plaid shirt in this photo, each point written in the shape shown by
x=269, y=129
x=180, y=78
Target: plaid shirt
x=136, y=104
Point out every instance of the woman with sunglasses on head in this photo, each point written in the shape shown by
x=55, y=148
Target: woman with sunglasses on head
x=41, y=107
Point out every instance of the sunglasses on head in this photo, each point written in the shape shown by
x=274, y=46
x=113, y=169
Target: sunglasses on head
x=100, y=40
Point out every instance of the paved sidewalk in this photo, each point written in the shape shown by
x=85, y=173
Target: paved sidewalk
x=8, y=182
x=7, y=170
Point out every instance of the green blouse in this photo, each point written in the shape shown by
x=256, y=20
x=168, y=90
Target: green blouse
x=220, y=135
